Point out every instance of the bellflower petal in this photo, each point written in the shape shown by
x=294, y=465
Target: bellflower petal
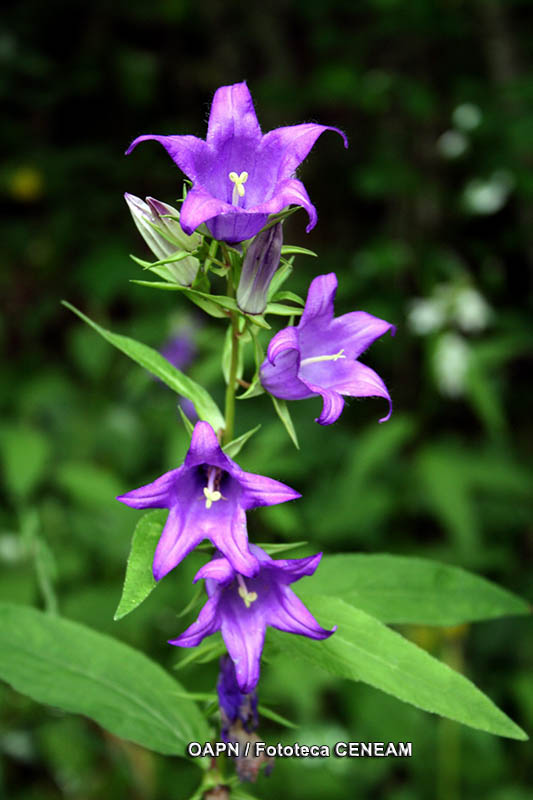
x=318, y=356
x=292, y=616
x=154, y=495
x=244, y=610
x=232, y=117
x=191, y=154
x=207, y=498
x=294, y=143
x=240, y=176
x=208, y=622
x=175, y=543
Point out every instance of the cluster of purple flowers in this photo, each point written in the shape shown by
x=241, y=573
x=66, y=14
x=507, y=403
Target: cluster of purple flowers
x=240, y=177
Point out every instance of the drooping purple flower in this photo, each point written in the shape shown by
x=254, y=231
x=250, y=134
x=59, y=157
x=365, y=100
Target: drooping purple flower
x=207, y=497
x=260, y=263
x=235, y=706
x=239, y=175
x=319, y=355
x=239, y=721
x=242, y=610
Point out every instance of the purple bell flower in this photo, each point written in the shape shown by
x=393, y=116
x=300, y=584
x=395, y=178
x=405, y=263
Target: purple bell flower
x=235, y=707
x=239, y=175
x=318, y=356
x=208, y=497
x=242, y=610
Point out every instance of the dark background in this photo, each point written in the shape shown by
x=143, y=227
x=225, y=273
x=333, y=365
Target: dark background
x=434, y=195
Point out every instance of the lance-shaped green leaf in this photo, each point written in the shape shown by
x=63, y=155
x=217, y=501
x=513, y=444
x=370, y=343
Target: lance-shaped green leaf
x=363, y=649
x=284, y=414
x=72, y=667
x=139, y=581
x=150, y=359
x=207, y=301
x=400, y=589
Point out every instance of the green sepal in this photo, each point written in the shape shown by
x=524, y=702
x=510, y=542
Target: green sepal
x=280, y=276
x=295, y=298
x=234, y=447
x=189, y=427
x=273, y=548
x=291, y=249
x=208, y=650
x=284, y=414
x=280, y=310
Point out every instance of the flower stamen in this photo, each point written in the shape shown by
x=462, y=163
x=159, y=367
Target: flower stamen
x=248, y=597
x=314, y=359
x=238, y=189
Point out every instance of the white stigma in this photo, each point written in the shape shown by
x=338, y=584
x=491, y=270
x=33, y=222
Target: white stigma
x=238, y=189
x=211, y=494
x=248, y=597
x=313, y=360
x=211, y=497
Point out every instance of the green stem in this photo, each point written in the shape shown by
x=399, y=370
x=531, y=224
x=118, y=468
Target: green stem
x=234, y=362
x=232, y=380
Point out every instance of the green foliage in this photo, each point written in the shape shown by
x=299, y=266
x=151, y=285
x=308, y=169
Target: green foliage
x=67, y=665
x=24, y=453
x=397, y=589
x=139, y=581
x=154, y=362
x=363, y=649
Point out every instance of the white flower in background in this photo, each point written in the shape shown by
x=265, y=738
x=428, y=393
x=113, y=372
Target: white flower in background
x=472, y=313
x=488, y=195
x=452, y=144
x=451, y=310
x=450, y=363
x=426, y=315
x=467, y=116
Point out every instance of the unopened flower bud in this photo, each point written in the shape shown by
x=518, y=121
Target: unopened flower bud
x=158, y=224
x=260, y=263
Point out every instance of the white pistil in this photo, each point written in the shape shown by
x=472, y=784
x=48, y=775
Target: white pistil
x=314, y=359
x=248, y=597
x=211, y=497
x=210, y=493
x=238, y=189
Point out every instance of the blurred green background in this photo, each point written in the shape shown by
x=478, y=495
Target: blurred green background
x=428, y=222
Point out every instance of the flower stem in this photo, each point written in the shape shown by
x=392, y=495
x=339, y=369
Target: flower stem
x=232, y=379
x=234, y=362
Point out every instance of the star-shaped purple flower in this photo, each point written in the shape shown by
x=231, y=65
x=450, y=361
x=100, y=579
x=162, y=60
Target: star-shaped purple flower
x=242, y=610
x=240, y=176
x=208, y=497
x=318, y=356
